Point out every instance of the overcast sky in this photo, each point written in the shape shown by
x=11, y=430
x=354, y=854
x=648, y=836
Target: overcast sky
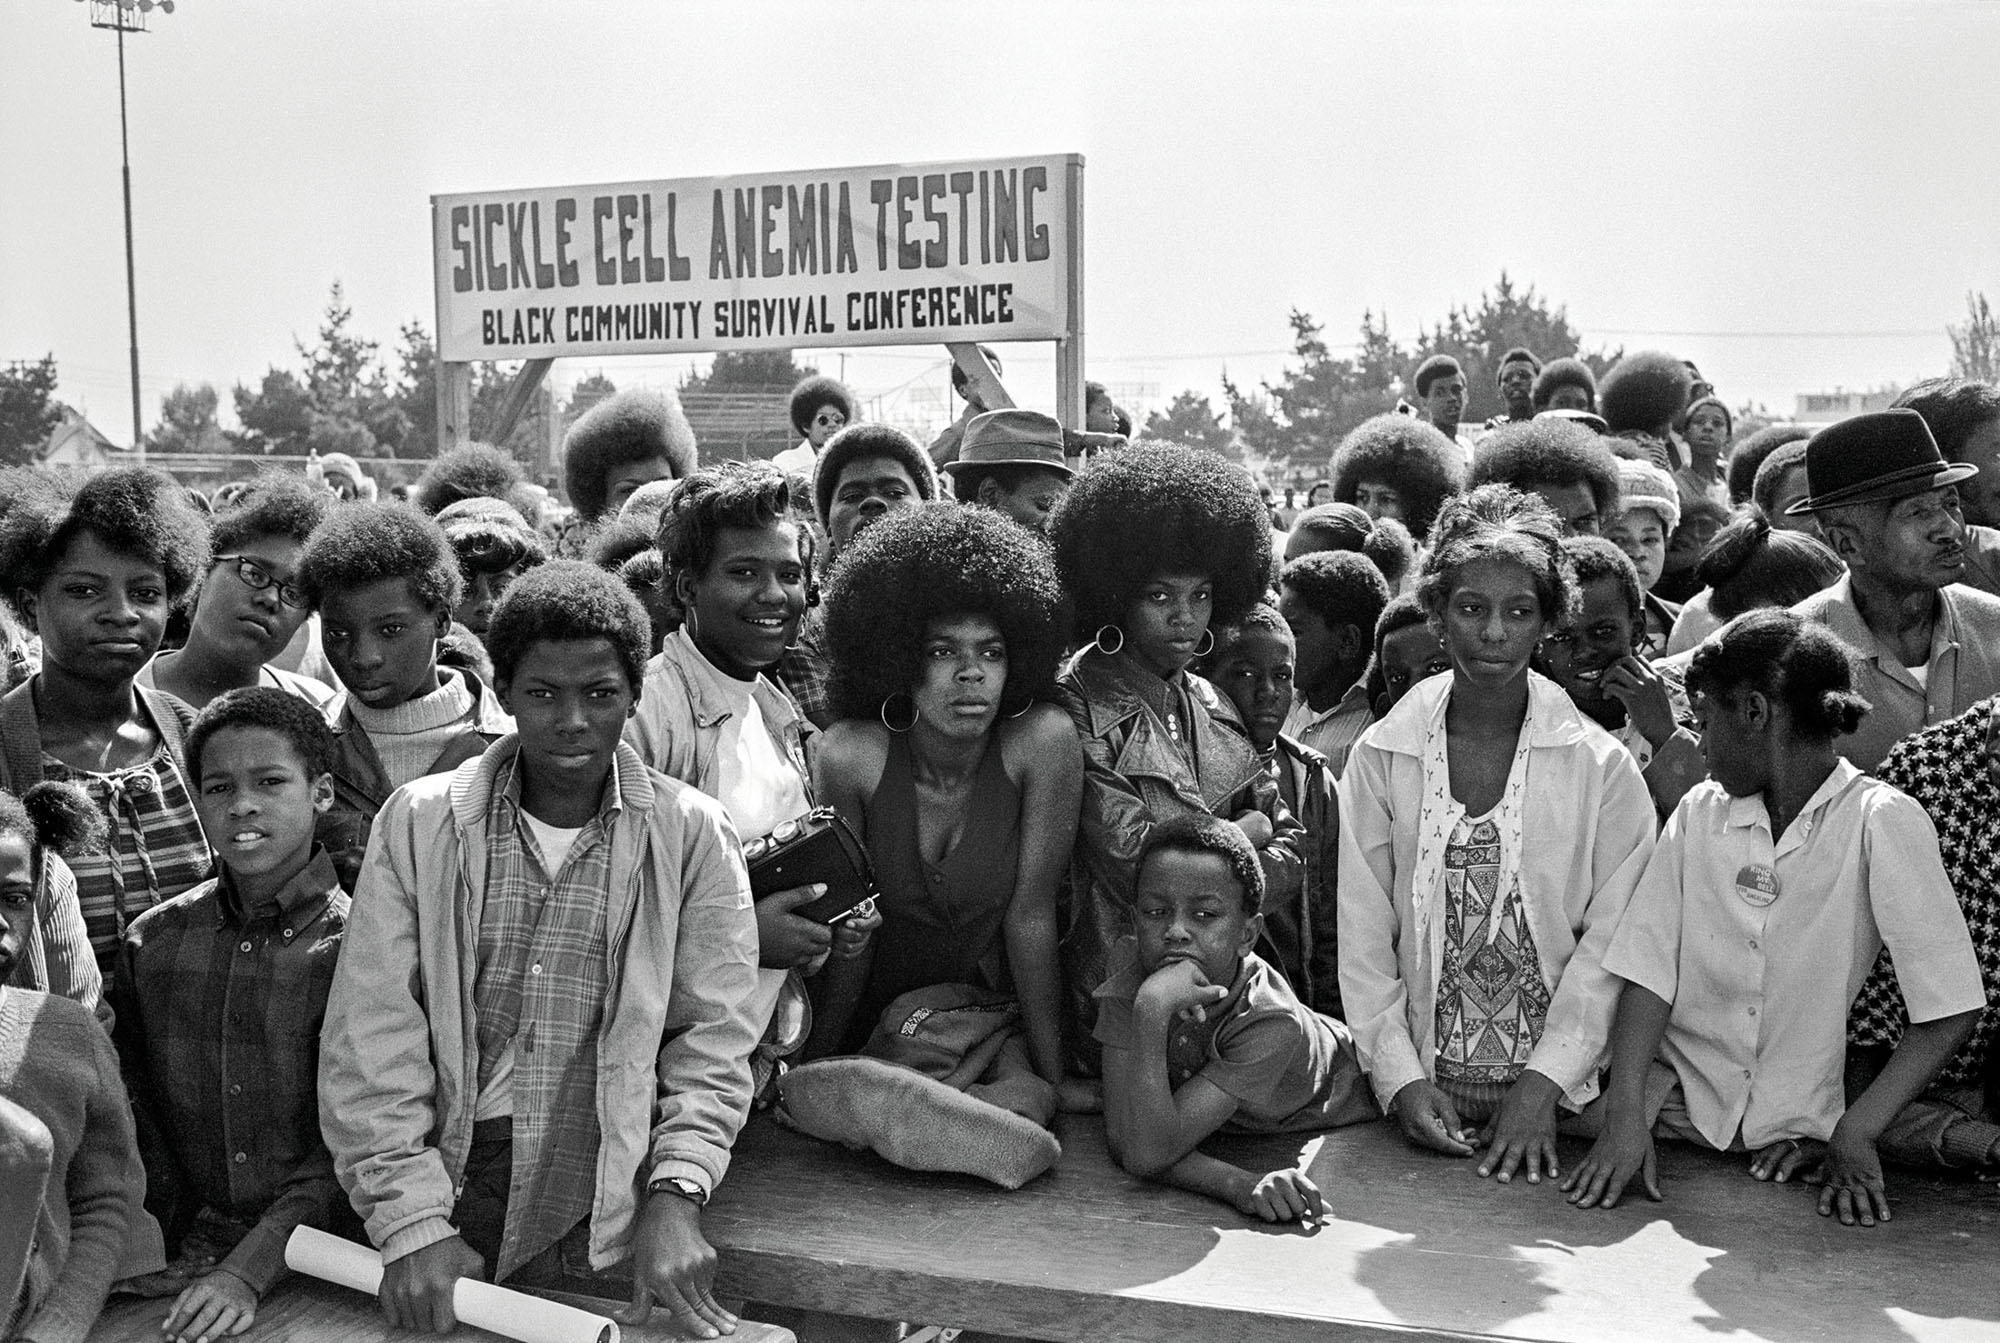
x=1797, y=196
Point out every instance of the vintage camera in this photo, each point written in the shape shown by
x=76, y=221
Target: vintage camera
x=818, y=847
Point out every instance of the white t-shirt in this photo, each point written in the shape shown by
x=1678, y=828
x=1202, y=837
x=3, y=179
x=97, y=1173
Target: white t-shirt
x=757, y=784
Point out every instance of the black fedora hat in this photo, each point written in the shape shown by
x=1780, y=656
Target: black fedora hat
x=1872, y=458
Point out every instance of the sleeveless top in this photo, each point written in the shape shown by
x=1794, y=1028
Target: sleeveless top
x=942, y=923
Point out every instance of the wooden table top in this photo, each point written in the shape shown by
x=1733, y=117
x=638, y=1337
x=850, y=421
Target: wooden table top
x=1417, y=1246
x=306, y=1310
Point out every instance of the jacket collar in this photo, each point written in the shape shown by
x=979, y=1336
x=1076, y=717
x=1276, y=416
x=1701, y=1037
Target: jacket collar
x=679, y=653
x=1556, y=721
x=1227, y=760
x=474, y=783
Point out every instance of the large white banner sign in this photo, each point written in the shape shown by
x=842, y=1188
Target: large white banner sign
x=899, y=255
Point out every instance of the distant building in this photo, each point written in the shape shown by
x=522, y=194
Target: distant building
x=1826, y=407
x=75, y=441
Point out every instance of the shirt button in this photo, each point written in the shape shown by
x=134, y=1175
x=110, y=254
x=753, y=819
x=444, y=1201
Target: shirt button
x=288, y=934
x=1753, y=944
x=1753, y=1011
x=535, y=969
x=1746, y=1074
x=235, y=1088
x=242, y=1157
x=244, y=945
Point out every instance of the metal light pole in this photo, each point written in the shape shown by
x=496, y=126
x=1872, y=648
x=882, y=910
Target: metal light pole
x=128, y=16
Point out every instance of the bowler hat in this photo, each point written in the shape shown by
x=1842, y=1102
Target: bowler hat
x=1011, y=438
x=1873, y=458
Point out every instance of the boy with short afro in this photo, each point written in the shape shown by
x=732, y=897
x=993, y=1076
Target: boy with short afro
x=1254, y=664
x=1200, y=1034
x=1331, y=600
x=221, y=994
x=547, y=907
x=621, y=443
x=384, y=581
x=1565, y=384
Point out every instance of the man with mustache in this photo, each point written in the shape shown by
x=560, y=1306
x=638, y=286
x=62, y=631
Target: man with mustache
x=1887, y=502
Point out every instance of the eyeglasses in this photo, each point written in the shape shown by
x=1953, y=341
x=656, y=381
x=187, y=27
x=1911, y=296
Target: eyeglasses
x=256, y=577
x=830, y=419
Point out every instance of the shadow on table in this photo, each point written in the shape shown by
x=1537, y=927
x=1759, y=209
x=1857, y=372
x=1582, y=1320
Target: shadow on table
x=1724, y=1253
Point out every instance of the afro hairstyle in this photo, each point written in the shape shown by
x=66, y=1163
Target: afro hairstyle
x=815, y=392
x=565, y=601
x=923, y=564
x=272, y=505
x=1594, y=557
x=1771, y=473
x=474, y=471
x=1547, y=452
x=267, y=707
x=1199, y=833
x=490, y=544
x=1339, y=587
x=1560, y=373
x=137, y=512
x=858, y=441
x=1792, y=661
x=1749, y=454
x=623, y=428
x=360, y=544
x=1519, y=354
x=617, y=539
x=1750, y=563
x=54, y=815
x=1131, y=517
x=1954, y=408
x=1646, y=391
x=1496, y=522
x=1410, y=456
x=750, y=495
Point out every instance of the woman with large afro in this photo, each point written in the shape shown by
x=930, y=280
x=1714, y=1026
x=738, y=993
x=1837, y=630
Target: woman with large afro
x=1155, y=546
x=1393, y=466
x=944, y=629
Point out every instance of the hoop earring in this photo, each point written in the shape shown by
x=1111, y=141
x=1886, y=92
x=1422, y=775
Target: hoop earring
x=883, y=714
x=1201, y=652
x=1023, y=709
x=1098, y=641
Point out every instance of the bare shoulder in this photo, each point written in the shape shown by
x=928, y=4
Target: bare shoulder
x=852, y=752
x=1040, y=738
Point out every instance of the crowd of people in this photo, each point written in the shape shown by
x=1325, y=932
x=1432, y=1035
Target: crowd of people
x=378, y=865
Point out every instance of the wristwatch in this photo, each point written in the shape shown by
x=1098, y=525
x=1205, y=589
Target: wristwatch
x=682, y=1186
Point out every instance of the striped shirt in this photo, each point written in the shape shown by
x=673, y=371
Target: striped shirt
x=538, y=998
x=154, y=852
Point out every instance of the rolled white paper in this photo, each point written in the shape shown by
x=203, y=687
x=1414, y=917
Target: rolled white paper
x=498, y=1310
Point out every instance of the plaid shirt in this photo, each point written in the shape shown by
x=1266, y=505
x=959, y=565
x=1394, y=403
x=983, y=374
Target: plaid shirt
x=541, y=986
x=1953, y=771
x=154, y=852
x=807, y=672
x=219, y=1012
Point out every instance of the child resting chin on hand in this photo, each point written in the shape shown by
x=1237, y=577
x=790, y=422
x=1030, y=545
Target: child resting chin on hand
x=1200, y=1034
